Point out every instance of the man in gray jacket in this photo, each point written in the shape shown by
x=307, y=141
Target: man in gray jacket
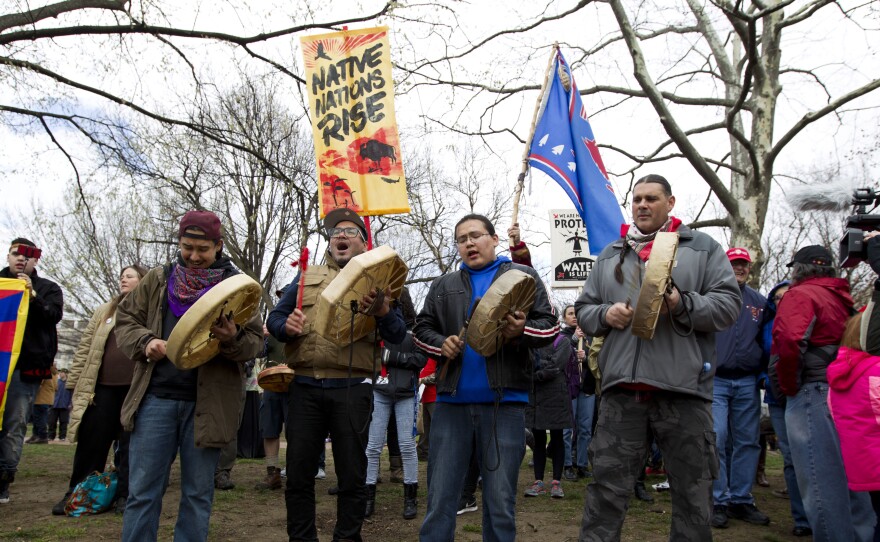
x=664, y=384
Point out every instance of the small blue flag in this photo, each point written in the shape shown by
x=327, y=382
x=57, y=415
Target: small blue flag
x=564, y=148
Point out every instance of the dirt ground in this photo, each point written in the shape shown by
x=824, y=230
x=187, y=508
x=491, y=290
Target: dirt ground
x=247, y=514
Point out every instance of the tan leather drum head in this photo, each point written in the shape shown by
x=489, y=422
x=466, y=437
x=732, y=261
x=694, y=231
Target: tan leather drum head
x=380, y=268
x=513, y=291
x=276, y=379
x=191, y=343
x=658, y=273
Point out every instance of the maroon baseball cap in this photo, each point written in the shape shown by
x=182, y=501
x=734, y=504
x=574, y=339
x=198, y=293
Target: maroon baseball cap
x=737, y=253
x=206, y=221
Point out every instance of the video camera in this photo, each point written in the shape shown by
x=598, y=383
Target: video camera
x=852, y=245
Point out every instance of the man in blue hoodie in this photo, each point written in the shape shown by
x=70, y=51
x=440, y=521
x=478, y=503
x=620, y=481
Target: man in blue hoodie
x=479, y=399
x=736, y=402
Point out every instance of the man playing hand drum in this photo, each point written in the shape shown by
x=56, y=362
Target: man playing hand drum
x=192, y=412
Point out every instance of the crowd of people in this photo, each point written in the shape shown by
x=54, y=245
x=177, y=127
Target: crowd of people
x=607, y=398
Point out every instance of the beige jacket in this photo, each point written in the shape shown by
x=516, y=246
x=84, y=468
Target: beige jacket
x=83, y=376
x=312, y=355
x=220, y=393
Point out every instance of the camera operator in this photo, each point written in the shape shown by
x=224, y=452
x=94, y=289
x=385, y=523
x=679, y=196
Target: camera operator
x=808, y=328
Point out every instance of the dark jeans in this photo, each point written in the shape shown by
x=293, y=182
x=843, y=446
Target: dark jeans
x=556, y=449
x=425, y=437
x=345, y=414
x=40, y=419
x=58, y=417
x=98, y=429
x=472, y=477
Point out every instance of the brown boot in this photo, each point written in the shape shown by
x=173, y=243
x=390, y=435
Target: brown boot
x=272, y=481
x=396, y=474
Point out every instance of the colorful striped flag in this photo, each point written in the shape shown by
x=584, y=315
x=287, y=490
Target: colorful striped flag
x=14, y=298
x=564, y=148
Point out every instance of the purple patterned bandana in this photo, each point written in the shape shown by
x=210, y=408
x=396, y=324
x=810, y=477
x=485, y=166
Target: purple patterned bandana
x=186, y=286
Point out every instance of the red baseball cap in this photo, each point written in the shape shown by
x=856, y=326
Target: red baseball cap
x=737, y=253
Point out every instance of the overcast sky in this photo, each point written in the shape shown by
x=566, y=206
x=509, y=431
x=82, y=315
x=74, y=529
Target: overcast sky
x=34, y=173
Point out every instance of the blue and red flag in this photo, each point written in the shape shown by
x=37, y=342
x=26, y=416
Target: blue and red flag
x=564, y=148
x=14, y=299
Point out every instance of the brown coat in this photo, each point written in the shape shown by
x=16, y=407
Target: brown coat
x=220, y=392
x=46, y=393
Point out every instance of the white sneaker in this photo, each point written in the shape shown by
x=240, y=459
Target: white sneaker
x=321, y=474
x=284, y=473
x=662, y=486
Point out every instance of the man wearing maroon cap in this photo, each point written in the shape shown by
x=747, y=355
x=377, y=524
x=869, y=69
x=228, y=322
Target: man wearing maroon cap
x=736, y=406
x=170, y=411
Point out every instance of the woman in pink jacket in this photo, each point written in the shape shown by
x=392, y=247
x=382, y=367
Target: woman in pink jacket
x=854, y=401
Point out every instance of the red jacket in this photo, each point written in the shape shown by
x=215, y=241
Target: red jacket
x=430, y=393
x=812, y=314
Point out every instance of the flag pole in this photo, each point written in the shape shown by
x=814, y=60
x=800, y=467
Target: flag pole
x=521, y=180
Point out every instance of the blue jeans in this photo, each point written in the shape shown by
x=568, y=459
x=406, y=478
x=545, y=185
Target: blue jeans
x=736, y=414
x=19, y=398
x=500, y=439
x=582, y=407
x=834, y=512
x=405, y=415
x=777, y=418
x=162, y=428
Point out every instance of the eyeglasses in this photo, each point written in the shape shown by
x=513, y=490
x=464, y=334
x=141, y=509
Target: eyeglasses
x=473, y=236
x=350, y=232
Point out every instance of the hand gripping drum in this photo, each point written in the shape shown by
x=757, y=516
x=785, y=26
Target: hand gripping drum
x=513, y=291
x=191, y=343
x=380, y=268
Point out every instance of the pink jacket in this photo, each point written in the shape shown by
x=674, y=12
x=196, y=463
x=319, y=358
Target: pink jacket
x=854, y=400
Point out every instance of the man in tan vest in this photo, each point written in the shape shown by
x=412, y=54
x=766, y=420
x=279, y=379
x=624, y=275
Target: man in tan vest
x=332, y=390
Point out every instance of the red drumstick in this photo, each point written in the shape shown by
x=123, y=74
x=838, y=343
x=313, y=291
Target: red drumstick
x=303, y=264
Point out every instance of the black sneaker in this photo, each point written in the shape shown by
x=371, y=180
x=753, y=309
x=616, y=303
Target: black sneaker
x=569, y=473
x=748, y=513
x=719, y=517
x=58, y=509
x=4, y=492
x=466, y=505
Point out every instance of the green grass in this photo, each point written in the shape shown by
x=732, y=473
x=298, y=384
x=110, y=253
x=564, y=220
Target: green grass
x=246, y=514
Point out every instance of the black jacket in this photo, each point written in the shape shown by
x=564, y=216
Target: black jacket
x=444, y=313
x=402, y=364
x=40, y=341
x=549, y=402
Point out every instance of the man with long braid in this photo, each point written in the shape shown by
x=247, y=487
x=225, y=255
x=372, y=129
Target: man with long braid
x=662, y=385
